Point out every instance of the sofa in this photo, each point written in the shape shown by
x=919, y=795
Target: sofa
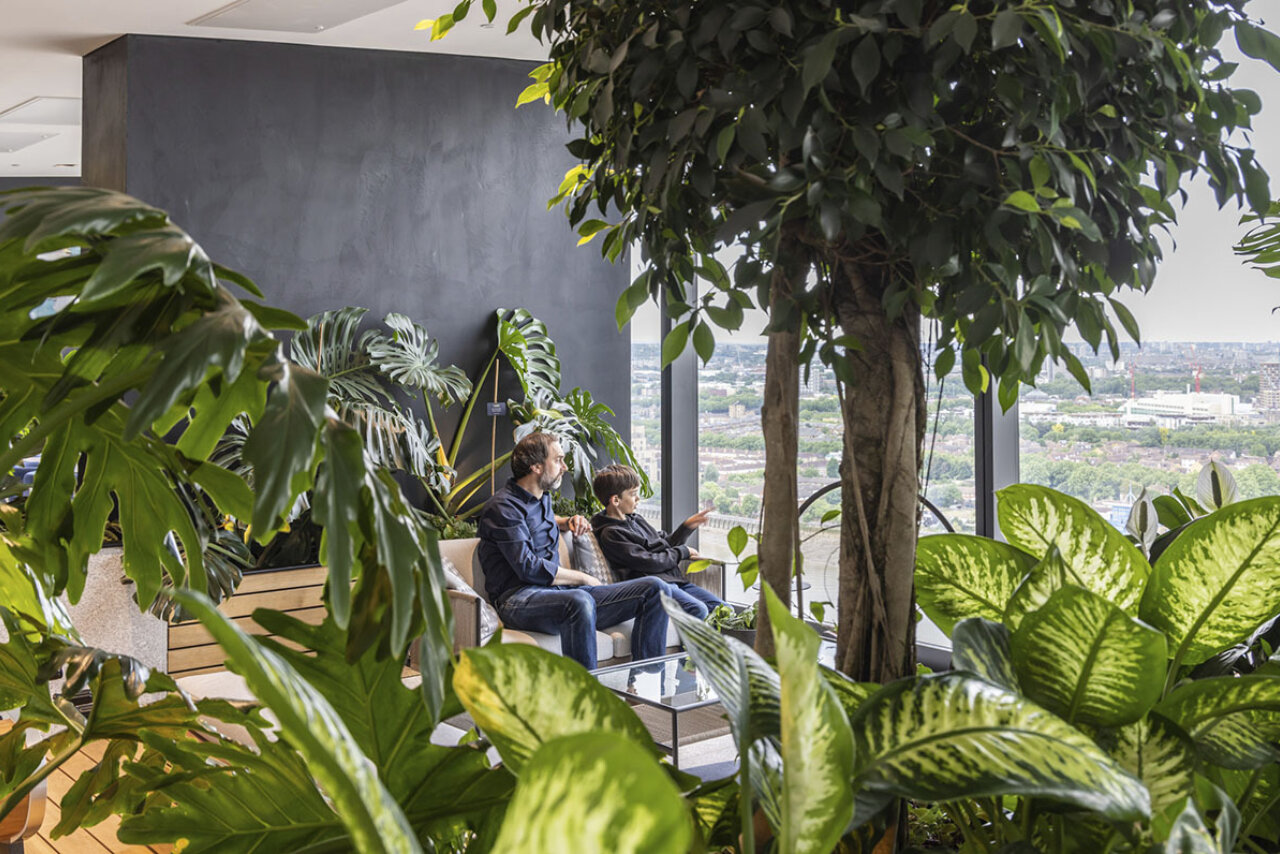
x=577, y=552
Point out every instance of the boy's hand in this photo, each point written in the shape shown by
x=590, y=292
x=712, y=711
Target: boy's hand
x=697, y=520
x=578, y=525
x=693, y=555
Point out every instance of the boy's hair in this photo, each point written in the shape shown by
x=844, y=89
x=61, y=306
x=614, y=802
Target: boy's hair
x=530, y=451
x=614, y=480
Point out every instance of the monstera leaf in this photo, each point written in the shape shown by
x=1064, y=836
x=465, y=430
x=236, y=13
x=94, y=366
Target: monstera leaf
x=1233, y=721
x=1217, y=582
x=522, y=696
x=1099, y=557
x=524, y=340
x=408, y=356
x=950, y=736
x=960, y=576
x=1085, y=659
x=595, y=793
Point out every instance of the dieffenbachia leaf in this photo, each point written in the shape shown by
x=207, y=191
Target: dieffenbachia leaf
x=316, y=731
x=1085, y=659
x=981, y=647
x=1046, y=578
x=1233, y=721
x=522, y=696
x=1217, y=582
x=817, y=745
x=632, y=808
x=960, y=576
x=1159, y=754
x=1099, y=557
x=950, y=736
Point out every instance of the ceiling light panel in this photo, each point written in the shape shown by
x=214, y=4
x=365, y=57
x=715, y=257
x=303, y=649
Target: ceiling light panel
x=45, y=110
x=11, y=141
x=290, y=16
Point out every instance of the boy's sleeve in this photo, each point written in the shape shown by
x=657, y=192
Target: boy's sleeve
x=626, y=551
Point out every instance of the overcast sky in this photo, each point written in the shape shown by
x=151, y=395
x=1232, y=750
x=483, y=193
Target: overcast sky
x=1202, y=291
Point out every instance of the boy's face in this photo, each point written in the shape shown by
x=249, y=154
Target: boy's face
x=628, y=501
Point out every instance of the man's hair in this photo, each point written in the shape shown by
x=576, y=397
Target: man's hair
x=613, y=480
x=530, y=451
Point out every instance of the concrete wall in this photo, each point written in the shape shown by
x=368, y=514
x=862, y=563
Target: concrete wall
x=396, y=181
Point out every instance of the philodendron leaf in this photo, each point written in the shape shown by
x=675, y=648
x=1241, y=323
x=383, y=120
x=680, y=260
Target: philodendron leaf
x=1160, y=754
x=1045, y=579
x=317, y=732
x=960, y=576
x=1217, y=582
x=1232, y=721
x=982, y=648
x=817, y=745
x=1036, y=518
x=594, y=792
x=1085, y=659
x=522, y=696
x=950, y=736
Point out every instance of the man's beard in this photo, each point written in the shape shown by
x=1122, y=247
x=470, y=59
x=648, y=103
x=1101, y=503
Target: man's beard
x=547, y=484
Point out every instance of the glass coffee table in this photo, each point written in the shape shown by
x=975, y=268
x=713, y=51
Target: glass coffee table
x=674, y=701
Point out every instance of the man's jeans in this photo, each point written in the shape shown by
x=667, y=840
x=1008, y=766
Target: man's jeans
x=573, y=613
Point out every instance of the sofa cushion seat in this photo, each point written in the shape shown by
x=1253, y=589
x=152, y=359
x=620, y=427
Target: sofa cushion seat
x=621, y=634
x=605, y=646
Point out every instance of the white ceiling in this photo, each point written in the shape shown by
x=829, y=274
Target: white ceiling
x=42, y=42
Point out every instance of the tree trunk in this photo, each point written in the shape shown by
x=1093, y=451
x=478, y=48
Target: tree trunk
x=884, y=416
x=779, y=415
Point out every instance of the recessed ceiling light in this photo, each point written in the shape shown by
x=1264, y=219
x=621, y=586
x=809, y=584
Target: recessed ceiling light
x=44, y=110
x=65, y=165
x=11, y=141
x=290, y=16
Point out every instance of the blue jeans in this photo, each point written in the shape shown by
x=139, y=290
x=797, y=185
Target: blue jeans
x=696, y=601
x=573, y=613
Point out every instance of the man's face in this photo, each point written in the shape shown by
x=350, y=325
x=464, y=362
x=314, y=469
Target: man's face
x=552, y=468
x=629, y=500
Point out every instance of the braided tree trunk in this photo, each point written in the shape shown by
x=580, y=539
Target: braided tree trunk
x=884, y=414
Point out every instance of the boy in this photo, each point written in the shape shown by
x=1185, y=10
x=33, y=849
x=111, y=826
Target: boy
x=632, y=546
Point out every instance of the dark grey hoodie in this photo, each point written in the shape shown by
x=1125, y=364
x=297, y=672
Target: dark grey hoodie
x=634, y=548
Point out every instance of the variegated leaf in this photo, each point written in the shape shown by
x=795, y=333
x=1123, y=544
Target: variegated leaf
x=1159, y=754
x=1045, y=579
x=1190, y=835
x=1216, y=486
x=1217, y=582
x=960, y=576
x=1036, y=518
x=1232, y=721
x=817, y=745
x=1088, y=661
x=939, y=738
x=595, y=793
x=982, y=648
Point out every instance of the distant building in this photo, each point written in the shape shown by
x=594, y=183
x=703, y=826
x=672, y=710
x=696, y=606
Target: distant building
x=1269, y=386
x=1166, y=409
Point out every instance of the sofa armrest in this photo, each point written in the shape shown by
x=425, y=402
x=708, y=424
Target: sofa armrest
x=466, y=618
x=712, y=578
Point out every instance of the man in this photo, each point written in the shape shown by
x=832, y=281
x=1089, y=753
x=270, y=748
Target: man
x=519, y=554
x=631, y=544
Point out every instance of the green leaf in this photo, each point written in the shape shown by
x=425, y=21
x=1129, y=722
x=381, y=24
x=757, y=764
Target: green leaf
x=1023, y=201
x=818, y=59
x=704, y=342
x=317, y=732
x=737, y=539
x=1046, y=578
x=1216, y=486
x=817, y=745
x=960, y=576
x=951, y=736
x=607, y=795
x=1006, y=29
x=522, y=696
x=673, y=345
x=866, y=61
x=982, y=648
x=1098, y=556
x=1258, y=43
x=1087, y=660
x=1216, y=583
x=408, y=357
x=965, y=29
x=1159, y=754
x=1126, y=319
x=1233, y=721
x=282, y=445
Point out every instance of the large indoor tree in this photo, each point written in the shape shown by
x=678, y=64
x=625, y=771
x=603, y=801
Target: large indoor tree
x=998, y=169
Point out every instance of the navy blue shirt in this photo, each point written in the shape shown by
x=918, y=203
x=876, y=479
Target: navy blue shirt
x=519, y=541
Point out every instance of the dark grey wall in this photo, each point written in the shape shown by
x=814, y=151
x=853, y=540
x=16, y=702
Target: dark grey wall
x=397, y=181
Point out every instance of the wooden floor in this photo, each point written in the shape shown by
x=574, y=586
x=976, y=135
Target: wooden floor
x=98, y=839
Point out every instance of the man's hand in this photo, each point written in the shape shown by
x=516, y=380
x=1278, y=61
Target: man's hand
x=566, y=577
x=697, y=520
x=578, y=525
